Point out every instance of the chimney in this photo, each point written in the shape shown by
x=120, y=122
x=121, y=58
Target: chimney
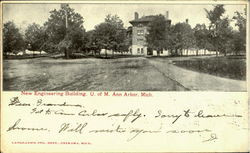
x=136, y=16
x=186, y=21
x=167, y=15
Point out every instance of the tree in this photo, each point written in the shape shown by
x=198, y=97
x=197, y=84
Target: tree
x=114, y=20
x=225, y=36
x=128, y=39
x=90, y=42
x=35, y=36
x=64, y=29
x=110, y=34
x=156, y=37
x=241, y=21
x=183, y=37
x=201, y=34
x=240, y=35
x=105, y=36
x=12, y=38
x=215, y=17
x=121, y=33
x=171, y=40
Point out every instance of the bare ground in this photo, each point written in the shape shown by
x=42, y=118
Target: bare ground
x=124, y=74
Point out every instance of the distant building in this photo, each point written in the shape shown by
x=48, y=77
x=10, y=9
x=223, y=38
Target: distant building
x=140, y=28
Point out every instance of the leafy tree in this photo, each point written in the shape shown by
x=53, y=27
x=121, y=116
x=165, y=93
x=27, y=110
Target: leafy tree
x=12, y=38
x=110, y=34
x=89, y=42
x=128, y=39
x=241, y=21
x=215, y=17
x=171, y=40
x=35, y=36
x=237, y=42
x=201, y=34
x=121, y=33
x=225, y=36
x=183, y=37
x=114, y=20
x=156, y=37
x=240, y=35
x=64, y=29
x=105, y=36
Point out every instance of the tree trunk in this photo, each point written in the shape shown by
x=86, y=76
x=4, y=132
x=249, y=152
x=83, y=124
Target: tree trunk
x=197, y=52
x=66, y=53
x=171, y=52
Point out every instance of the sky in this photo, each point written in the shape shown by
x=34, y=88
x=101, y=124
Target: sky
x=24, y=14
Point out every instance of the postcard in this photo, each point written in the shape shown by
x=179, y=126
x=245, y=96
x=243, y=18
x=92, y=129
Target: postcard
x=124, y=76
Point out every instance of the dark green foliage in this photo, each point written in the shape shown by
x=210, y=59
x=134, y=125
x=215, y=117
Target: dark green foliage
x=215, y=15
x=110, y=34
x=62, y=34
x=222, y=36
x=35, y=36
x=12, y=38
x=201, y=34
x=183, y=37
x=233, y=67
x=157, y=33
x=240, y=36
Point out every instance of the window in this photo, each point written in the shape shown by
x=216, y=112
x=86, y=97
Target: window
x=141, y=50
x=140, y=32
x=138, y=50
x=139, y=39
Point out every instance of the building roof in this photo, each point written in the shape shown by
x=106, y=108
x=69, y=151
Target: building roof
x=146, y=19
x=143, y=19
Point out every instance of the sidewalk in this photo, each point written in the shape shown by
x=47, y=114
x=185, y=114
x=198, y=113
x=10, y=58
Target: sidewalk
x=196, y=80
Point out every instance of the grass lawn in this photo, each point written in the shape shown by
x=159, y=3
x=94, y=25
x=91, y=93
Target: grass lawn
x=233, y=67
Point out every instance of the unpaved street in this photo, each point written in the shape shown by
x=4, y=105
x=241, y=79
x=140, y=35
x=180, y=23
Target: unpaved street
x=122, y=74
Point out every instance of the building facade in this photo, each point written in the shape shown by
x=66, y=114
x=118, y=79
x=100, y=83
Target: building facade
x=140, y=28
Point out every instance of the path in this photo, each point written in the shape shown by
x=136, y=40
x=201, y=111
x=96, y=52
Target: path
x=196, y=80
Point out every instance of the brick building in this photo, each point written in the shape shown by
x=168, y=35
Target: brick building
x=139, y=31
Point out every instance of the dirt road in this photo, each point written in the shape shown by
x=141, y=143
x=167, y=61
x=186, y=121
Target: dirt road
x=123, y=74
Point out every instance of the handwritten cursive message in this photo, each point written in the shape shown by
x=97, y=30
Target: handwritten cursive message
x=125, y=122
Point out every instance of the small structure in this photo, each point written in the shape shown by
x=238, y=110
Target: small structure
x=29, y=52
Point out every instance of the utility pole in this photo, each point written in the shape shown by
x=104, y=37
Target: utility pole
x=66, y=22
x=64, y=6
